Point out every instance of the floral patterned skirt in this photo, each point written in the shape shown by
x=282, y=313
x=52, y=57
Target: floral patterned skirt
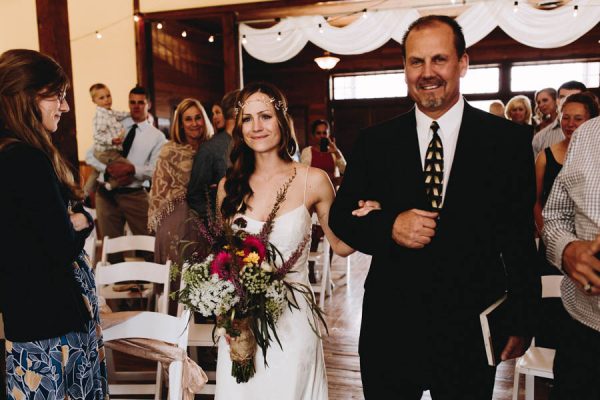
x=71, y=366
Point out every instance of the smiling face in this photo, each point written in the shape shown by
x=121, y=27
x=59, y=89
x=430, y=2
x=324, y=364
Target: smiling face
x=518, y=113
x=51, y=108
x=573, y=115
x=193, y=124
x=433, y=69
x=260, y=127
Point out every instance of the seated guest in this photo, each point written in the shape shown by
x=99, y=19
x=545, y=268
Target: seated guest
x=168, y=214
x=518, y=110
x=323, y=153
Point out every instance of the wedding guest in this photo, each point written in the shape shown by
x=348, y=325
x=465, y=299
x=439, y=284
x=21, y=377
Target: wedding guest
x=497, y=108
x=218, y=119
x=432, y=269
x=518, y=110
x=546, y=108
x=572, y=234
x=328, y=157
x=261, y=164
x=54, y=347
x=210, y=162
x=553, y=133
x=168, y=213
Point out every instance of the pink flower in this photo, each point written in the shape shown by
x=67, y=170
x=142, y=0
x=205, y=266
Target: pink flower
x=221, y=265
x=252, y=243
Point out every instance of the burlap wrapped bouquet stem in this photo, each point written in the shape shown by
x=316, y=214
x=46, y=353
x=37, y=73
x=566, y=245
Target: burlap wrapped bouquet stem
x=243, y=348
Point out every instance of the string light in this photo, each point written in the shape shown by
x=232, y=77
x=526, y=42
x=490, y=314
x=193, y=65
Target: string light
x=211, y=38
x=279, y=36
x=136, y=18
x=320, y=28
x=159, y=25
x=364, y=13
x=453, y=2
x=516, y=6
x=98, y=35
x=575, y=10
x=244, y=40
x=184, y=34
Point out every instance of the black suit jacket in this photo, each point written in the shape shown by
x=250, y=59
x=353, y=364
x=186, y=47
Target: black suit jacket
x=484, y=243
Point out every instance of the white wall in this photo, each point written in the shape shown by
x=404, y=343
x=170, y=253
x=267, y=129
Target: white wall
x=18, y=27
x=162, y=5
x=110, y=60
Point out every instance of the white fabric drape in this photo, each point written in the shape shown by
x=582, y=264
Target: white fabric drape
x=530, y=26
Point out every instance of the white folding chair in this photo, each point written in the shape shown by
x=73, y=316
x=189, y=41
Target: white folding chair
x=157, y=326
x=321, y=258
x=119, y=245
x=537, y=361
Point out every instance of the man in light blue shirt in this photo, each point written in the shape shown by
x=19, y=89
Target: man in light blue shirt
x=141, y=146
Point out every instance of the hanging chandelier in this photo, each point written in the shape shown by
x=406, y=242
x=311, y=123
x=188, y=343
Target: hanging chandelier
x=327, y=61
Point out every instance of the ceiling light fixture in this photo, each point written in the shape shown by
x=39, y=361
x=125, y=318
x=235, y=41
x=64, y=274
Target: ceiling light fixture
x=327, y=61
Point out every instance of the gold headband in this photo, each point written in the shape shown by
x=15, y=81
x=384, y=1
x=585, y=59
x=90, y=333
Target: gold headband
x=278, y=104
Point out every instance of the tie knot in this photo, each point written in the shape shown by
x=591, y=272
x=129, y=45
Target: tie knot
x=434, y=127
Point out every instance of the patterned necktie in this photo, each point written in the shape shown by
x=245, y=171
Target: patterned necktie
x=434, y=169
x=129, y=140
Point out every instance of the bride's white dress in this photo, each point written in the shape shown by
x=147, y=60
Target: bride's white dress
x=298, y=371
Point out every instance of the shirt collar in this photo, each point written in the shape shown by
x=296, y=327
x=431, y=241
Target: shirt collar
x=449, y=122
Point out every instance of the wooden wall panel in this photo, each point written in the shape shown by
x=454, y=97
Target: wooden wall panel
x=54, y=40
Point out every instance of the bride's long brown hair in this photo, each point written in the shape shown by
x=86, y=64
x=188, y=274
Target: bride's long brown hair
x=237, y=185
x=25, y=77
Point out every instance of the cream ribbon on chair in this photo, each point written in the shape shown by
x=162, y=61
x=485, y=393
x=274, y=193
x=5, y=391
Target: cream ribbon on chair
x=194, y=378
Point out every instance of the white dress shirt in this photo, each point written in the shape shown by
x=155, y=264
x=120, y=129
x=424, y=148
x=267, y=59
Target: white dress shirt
x=449, y=124
x=143, y=154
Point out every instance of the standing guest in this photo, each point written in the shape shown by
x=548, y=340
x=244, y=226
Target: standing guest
x=553, y=133
x=54, y=347
x=329, y=158
x=168, y=214
x=575, y=110
x=210, y=162
x=518, y=110
x=497, y=108
x=443, y=173
x=546, y=108
x=572, y=233
x=218, y=119
x=129, y=202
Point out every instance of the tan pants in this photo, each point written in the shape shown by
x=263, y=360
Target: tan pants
x=114, y=209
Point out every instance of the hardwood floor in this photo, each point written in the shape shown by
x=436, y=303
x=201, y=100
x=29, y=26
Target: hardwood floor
x=343, y=310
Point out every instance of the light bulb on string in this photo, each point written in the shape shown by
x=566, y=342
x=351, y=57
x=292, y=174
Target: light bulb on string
x=98, y=35
x=211, y=38
x=515, y=6
x=184, y=34
x=244, y=40
x=159, y=25
x=279, y=36
x=364, y=13
x=136, y=18
x=320, y=28
x=575, y=10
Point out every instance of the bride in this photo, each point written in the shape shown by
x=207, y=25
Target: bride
x=261, y=165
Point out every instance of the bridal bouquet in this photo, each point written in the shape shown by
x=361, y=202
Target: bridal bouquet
x=241, y=283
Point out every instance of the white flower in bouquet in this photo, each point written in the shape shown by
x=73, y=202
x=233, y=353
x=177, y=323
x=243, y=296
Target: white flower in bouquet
x=214, y=297
x=276, y=299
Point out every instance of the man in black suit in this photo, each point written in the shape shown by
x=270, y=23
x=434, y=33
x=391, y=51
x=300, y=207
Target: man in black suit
x=454, y=232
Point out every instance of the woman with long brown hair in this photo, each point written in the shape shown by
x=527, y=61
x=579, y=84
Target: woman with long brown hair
x=53, y=342
x=261, y=159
